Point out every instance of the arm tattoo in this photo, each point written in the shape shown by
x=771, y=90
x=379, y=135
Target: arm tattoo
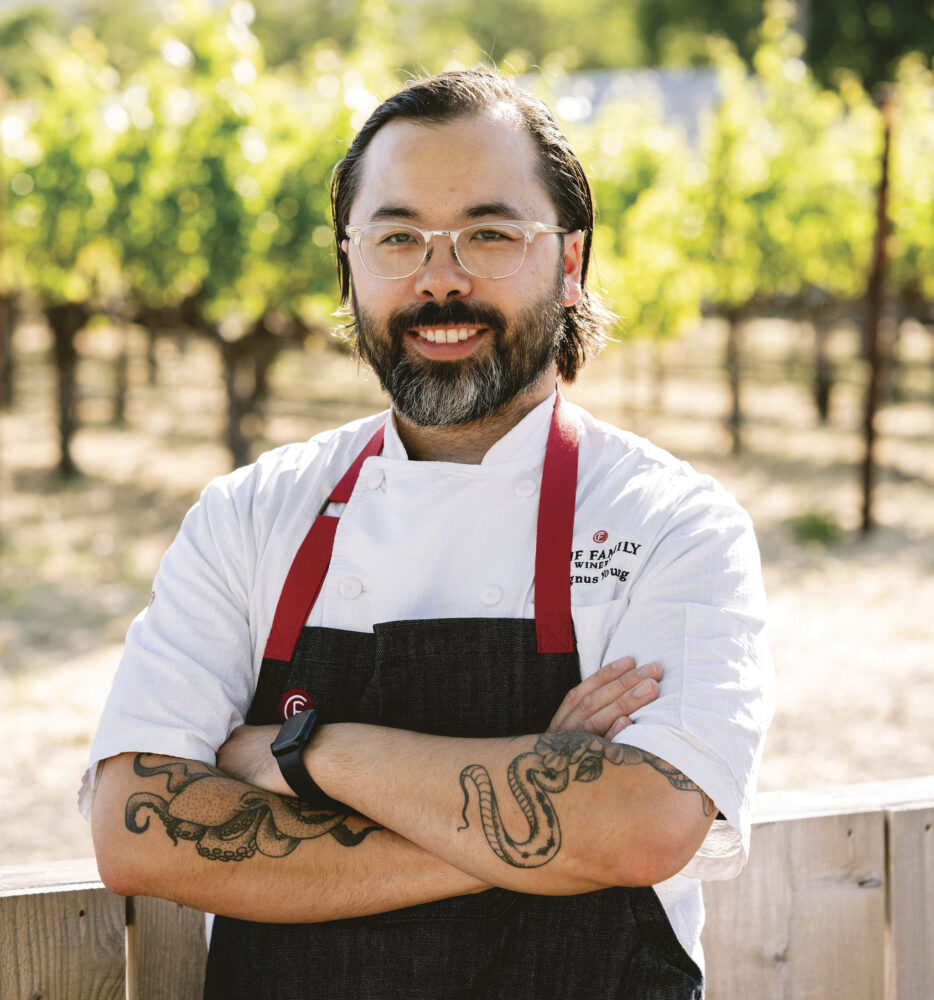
x=229, y=820
x=544, y=771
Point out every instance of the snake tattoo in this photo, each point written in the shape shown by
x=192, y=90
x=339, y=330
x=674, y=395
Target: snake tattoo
x=544, y=771
x=230, y=821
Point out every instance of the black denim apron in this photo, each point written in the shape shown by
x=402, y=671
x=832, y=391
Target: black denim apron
x=487, y=677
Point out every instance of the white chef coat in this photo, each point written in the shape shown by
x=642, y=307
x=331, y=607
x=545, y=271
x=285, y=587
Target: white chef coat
x=664, y=567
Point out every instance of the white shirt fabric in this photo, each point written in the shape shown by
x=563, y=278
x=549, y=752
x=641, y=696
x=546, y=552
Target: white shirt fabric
x=664, y=567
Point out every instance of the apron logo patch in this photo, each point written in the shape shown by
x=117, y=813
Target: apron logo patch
x=294, y=700
x=600, y=536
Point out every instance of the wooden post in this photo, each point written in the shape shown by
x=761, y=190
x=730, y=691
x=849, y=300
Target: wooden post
x=804, y=918
x=166, y=951
x=910, y=937
x=62, y=933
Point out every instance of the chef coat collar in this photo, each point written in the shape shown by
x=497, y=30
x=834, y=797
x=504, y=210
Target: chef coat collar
x=528, y=436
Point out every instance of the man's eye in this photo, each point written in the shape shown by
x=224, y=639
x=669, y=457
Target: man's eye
x=494, y=235
x=396, y=238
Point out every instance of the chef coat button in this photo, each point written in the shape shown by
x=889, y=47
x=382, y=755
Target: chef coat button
x=375, y=478
x=350, y=588
x=491, y=596
x=526, y=487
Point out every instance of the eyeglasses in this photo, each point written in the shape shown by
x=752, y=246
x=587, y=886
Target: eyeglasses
x=485, y=250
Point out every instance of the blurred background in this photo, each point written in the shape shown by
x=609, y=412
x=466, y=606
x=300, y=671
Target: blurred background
x=765, y=185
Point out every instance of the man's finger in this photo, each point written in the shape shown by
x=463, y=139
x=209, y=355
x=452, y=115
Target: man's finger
x=603, y=721
x=599, y=700
x=623, y=722
x=569, y=714
x=615, y=688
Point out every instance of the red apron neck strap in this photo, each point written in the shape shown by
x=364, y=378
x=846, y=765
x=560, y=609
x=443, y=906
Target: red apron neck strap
x=310, y=565
x=341, y=493
x=554, y=627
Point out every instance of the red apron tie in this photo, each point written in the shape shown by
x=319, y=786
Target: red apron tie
x=554, y=628
x=554, y=537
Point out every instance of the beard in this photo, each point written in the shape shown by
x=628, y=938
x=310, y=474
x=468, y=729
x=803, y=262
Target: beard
x=447, y=393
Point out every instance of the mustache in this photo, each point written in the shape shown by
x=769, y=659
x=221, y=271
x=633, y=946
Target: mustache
x=456, y=313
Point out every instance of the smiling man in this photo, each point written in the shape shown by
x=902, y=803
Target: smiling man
x=465, y=698
x=492, y=273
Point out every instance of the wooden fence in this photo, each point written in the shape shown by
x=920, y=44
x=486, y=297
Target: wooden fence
x=836, y=901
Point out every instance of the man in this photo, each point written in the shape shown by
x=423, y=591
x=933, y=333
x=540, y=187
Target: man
x=458, y=803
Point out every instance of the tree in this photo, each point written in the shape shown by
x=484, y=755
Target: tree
x=678, y=31
x=912, y=197
x=224, y=214
x=638, y=167
x=784, y=207
x=60, y=202
x=867, y=38
x=20, y=71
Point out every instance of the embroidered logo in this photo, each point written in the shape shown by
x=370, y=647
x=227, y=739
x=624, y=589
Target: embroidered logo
x=294, y=700
x=594, y=565
x=152, y=598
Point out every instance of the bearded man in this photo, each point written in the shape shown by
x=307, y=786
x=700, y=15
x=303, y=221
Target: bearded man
x=463, y=699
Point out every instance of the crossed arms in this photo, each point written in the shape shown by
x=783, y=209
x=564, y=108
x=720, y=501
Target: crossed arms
x=428, y=817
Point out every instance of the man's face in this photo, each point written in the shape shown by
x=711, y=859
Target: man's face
x=472, y=169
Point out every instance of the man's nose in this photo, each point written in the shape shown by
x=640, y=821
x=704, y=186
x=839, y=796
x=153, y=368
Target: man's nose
x=441, y=276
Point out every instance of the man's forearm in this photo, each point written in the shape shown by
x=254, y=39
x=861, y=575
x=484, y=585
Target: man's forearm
x=555, y=813
x=184, y=831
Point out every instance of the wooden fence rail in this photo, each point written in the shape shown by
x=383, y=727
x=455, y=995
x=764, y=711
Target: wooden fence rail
x=836, y=901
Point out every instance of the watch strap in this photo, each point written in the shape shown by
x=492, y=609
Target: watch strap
x=296, y=775
x=288, y=748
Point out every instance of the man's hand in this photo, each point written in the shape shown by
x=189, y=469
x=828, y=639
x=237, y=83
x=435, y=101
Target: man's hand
x=602, y=705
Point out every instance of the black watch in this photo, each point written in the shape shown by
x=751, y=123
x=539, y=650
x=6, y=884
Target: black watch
x=287, y=748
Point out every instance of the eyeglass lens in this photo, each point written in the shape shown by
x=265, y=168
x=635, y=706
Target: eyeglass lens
x=486, y=251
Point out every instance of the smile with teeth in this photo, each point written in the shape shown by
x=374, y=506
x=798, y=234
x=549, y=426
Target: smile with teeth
x=448, y=336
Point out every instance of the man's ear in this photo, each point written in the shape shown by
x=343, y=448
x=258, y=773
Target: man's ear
x=347, y=308
x=573, y=263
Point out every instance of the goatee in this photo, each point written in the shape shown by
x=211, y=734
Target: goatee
x=447, y=393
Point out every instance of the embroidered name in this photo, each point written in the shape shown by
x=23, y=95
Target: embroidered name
x=593, y=565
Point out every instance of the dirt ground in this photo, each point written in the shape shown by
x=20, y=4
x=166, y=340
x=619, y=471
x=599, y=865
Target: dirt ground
x=852, y=628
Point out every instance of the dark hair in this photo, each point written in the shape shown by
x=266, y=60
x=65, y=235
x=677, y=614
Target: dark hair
x=447, y=96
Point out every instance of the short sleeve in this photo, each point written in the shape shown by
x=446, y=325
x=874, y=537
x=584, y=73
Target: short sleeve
x=186, y=675
x=698, y=608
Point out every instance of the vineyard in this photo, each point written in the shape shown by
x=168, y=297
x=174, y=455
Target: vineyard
x=192, y=194
x=167, y=296
x=848, y=626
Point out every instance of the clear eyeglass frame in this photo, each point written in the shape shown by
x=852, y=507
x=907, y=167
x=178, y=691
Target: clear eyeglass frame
x=529, y=231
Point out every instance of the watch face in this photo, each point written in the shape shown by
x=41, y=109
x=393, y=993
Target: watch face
x=295, y=731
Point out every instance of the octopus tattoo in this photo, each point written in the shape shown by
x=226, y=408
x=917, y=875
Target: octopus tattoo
x=230, y=821
x=542, y=772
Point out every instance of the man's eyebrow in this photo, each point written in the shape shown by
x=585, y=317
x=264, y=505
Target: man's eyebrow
x=498, y=209
x=393, y=212
x=484, y=210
